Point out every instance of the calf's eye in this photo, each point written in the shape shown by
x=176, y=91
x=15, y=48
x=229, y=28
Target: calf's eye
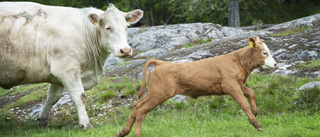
x=265, y=53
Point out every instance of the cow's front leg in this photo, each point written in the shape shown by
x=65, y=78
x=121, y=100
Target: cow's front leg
x=77, y=95
x=70, y=77
x=54, y=93
x=252, y=98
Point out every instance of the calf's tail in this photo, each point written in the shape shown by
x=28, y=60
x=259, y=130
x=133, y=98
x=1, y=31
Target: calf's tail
x=154, y=61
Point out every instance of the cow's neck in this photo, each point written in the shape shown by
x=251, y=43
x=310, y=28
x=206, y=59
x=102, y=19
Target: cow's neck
x=99, y=61
x=242, y=57
x=95, y=51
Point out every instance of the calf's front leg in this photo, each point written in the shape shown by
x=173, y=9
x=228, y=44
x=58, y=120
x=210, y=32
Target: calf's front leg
x=236, y=93
x=252, y=98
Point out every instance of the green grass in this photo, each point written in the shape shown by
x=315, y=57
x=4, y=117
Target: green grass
x=311, y=64
x=38, y=92
x=196, y=42
x=187, y=122
x=283, y=111
x=111, y=87
x=290, y=31
x=105, y=95
x=21, y=89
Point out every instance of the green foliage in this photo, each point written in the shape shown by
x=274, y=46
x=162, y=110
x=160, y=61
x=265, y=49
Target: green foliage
x=276, y=93
x=290, y=31
x=311, y=64
x=110, y=87
x=214, y=11
x=283, y=111
x=105, y=95
x=180, y=105
x=197, y=42
x=37, y=94
x=131, y=92
x=275, y=11
x=21, y=89
x=308, y=100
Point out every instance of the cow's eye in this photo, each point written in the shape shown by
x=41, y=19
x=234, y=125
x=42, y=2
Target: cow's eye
x=108, y=28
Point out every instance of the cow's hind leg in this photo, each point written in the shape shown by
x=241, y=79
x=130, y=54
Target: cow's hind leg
x=236, y=93
x=252, y=98
x=54, y=93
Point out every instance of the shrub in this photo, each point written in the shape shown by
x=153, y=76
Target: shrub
x=107, y=95
x=180, y=105
x=309, y=100
x=290, y=31
x=311, y=64
x=130, y=92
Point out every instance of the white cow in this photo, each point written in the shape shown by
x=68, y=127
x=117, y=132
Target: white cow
x=66, y=47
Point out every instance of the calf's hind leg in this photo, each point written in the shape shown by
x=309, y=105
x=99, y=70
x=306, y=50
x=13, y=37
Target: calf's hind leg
x=132, y=119
x=140, y=110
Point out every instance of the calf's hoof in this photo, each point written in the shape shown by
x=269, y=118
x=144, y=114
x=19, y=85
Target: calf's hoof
x=259, y=127
x=255, y=113
x=42, y=122
x=85, y=126
x=120, y=135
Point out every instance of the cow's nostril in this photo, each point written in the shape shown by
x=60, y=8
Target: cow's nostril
x=125, y=51
x=275, y=64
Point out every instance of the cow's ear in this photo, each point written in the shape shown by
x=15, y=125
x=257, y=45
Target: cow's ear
x=94, y=19
x=251, y=42
x=134, y=16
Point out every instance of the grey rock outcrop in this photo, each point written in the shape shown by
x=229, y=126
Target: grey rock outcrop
x=310, y=85
x=170, y=37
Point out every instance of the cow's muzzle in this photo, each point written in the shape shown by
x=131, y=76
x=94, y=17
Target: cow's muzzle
x=125, y=52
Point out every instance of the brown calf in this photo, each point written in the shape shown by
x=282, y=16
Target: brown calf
x=221, y=75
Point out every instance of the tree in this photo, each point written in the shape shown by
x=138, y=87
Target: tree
x=234, y=16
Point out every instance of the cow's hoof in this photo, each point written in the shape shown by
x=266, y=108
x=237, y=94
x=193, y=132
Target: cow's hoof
x=42, y=122
x=85, y=126
x=259, y=127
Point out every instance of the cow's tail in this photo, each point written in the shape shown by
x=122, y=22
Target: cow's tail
x=155, y=62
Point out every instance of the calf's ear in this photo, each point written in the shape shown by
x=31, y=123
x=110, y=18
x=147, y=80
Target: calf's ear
x=94, y=19
x=258, y=38
x=134, y=16
x=251, y=42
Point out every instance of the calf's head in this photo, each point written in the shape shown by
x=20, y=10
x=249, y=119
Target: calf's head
x=113, y=25
x=261, y=54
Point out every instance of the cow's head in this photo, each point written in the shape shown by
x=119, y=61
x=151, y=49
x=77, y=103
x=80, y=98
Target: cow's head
x=261, y=53
x=114, y=24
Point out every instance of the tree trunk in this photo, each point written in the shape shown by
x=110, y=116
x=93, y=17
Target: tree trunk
x=234, y=16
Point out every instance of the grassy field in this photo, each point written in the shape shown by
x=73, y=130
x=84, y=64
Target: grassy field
x=283, y=111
